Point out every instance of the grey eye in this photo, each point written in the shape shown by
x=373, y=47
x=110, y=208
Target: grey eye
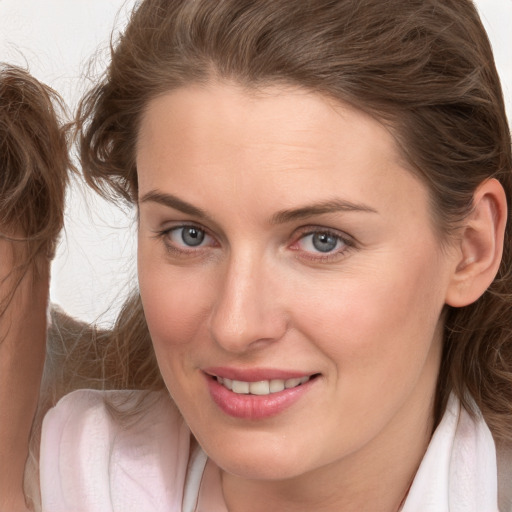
x=324, y=242
x=192, y=236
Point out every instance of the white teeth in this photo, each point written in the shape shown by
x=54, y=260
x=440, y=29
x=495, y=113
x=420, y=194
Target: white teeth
x=276, y=385
x=262, y=387
x=240, y=387
x=291, y=383
x=259, y=388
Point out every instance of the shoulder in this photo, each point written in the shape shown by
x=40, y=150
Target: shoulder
x=113, y=451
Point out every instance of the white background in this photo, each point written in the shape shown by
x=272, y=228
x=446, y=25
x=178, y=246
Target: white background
x=55, y=39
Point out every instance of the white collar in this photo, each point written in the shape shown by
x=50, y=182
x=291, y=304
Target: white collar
x=458, y=472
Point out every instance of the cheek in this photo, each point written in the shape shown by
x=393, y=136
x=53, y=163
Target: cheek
x=383, y=319
x=379, y=335
x=174, y=300
x=175, y=316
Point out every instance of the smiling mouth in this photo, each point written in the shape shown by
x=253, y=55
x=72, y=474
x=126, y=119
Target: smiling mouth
x=262, y=387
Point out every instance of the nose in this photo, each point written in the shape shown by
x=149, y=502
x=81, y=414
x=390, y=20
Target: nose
x=246, y=314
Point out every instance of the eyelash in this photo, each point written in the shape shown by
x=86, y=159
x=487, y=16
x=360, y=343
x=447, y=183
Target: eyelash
x=347, y=242
x=165, y=234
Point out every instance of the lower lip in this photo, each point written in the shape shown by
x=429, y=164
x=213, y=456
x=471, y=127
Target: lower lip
x=254, y=407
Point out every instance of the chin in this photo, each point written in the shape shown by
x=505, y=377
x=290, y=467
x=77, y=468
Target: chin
x=271, y=460
x=267, y=470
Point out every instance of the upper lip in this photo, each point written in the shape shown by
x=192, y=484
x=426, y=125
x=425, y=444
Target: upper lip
x=254, y=374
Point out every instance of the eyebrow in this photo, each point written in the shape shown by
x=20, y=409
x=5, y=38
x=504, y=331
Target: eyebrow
x=282, y=217
x=331, y=206
x=174, y=202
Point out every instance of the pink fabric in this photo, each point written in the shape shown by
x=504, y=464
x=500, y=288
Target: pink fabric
x=210, y=495
x=90, y=462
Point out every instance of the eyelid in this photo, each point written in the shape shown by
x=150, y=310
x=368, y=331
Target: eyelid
x=313, y=229
x=347, y=240
x=164, y=236
x=170, y=226
x=301, y=233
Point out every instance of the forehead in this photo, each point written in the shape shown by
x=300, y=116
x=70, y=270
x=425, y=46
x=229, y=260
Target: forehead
x=243, y=111
x=287, y=142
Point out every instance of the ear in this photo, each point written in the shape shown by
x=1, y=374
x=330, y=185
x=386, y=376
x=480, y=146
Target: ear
x=480, y=246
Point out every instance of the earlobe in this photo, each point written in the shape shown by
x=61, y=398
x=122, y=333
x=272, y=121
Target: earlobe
x=480, y=245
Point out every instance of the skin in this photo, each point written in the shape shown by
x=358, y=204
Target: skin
x=365, y=318
x=22, y=352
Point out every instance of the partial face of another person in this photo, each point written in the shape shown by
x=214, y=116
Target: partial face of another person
x=291, y=275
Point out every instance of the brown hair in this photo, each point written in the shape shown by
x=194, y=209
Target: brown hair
x=423, y=67
x=34, y=168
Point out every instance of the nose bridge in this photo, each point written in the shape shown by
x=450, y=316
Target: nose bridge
x=244, y=312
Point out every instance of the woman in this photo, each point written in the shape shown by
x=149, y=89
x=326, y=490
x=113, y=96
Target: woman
x=33, y=167
x=324, y=263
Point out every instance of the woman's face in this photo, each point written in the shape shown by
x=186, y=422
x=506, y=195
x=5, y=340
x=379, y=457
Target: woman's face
x=291, y=278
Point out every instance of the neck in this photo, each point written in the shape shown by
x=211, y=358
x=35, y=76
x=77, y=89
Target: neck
x=22, y=352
